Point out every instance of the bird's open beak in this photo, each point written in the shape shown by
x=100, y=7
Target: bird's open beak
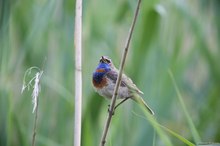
x=102, y=59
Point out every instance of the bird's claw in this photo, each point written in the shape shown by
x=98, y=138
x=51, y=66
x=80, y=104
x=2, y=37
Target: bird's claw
x=111, y=112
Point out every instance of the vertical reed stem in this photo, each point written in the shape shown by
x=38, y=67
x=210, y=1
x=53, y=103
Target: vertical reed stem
x=78, y=73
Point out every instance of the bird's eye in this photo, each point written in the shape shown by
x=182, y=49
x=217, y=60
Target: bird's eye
x=108, y=61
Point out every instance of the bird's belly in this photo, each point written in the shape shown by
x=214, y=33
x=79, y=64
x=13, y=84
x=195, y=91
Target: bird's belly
x=108, y=90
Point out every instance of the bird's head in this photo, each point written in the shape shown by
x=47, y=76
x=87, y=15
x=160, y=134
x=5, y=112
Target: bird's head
x=105, y=64
x=105, y=60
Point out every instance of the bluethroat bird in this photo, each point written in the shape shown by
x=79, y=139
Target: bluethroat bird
x=104, y=80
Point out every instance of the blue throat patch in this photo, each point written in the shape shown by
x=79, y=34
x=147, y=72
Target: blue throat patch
x=97, y=76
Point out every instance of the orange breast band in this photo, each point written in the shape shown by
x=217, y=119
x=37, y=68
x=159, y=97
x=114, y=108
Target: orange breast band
x=100, y=70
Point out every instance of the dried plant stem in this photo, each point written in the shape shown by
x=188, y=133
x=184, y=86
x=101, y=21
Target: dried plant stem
x=112, y=105
x=35, y=124
x=35, y=95
x=78, y=73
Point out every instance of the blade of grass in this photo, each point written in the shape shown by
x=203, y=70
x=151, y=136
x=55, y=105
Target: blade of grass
x=181, y=138
x=157, y=128
x=195, y=133
x=154, y=139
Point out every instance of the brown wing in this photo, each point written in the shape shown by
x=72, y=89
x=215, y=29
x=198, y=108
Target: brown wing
x=113, y=75
x=125, y=81
x=131, y=85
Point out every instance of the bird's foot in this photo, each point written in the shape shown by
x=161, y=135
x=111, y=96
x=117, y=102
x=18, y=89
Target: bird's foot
x=121, y=102
x=109, y=110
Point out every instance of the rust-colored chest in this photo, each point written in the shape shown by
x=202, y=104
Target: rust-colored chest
x=100, y=84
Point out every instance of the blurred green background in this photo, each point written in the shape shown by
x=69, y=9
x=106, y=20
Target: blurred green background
x=180, y=35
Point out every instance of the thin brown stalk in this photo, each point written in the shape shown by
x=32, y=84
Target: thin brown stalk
x=35, y=124
x=112, y=105
x=78, y=73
